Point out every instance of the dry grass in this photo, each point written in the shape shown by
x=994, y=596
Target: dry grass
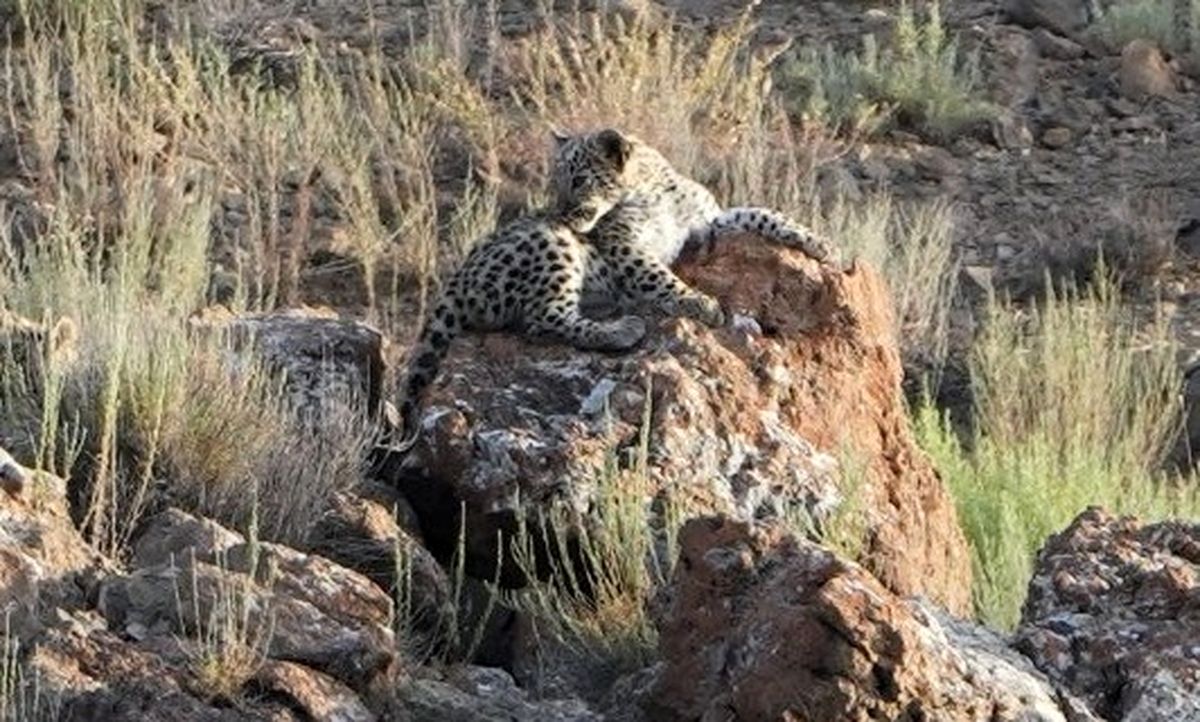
x=23, y=698
x=231, y=629
x=603, y=570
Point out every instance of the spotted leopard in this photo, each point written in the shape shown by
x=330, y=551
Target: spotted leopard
x=622, y=215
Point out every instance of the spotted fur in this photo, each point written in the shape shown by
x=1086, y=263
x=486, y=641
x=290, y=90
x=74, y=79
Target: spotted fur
x=620, y=218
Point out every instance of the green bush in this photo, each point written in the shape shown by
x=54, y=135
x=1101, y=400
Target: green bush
x=920, y=80
x=1074, y=407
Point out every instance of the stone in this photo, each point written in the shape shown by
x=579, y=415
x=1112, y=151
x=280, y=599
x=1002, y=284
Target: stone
x=13, y=477
x=317, y=613
x=1056, y=137
x=1056, y=47
x=361, y=534
x=739, y=423
x=174, y=534
x=324, y=359
x=1113, y=614
x=99, y=676
x=1012, y=68
x=480, y=694
x=1010, y=131
x=1144, y=72
x=44, y=561
x=765, y=626
x=1065, y=17
x=319, y=696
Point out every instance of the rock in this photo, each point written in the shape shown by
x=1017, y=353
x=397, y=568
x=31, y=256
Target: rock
x=1010, y=131
x=323, y=358
x=764, y=626
x=1144, y=72
x=320, y=697
x=481, y=694
x=44, y=562
x=173, y=534
x=1056, y=137
x=1056, y=47
x=94, y=676
x=1065, y=17
x=317, y=613
x=1113, y=614
x=363, y=535
x=13, y=477
x=738, y=423
x=1012, y=68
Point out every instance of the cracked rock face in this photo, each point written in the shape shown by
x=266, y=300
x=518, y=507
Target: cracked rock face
x=748, y=420
x=764, y=626
x=1113, y=613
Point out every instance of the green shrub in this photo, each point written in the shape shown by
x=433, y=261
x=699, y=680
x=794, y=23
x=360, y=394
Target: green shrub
x=920, y=80
x=1074, y=407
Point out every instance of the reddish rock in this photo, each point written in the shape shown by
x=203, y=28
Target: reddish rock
x=1144, y=72
x=96, y=676
x=1113, y=613
x=319, y=696
x=746, y=419
x=763, y=626
x=44, y=561
x=364, y=535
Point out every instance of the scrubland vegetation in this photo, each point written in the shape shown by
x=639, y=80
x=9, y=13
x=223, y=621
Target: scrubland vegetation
x=159, y=176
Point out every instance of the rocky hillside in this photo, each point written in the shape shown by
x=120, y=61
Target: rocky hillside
x=222, y=222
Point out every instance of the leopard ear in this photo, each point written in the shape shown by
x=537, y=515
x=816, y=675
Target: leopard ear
x=615, y=146
x=560, y=137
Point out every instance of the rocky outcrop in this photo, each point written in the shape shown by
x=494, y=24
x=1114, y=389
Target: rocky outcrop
x=44, y=561
x=764, y=626
x=1065, y=17
x=307, y=609
x=1113, y=613
x=323, y=358
x=745, y=420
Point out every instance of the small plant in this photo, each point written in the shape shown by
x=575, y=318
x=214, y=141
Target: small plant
x=22, y=696
x=603, y=569
x=231, y=638
x=1157, y=21
x=1074, y=407
x=844, y=530
x=921, y=80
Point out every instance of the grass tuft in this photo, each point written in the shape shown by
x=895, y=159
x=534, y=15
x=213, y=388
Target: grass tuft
x=1074, y=407
x=919, y=80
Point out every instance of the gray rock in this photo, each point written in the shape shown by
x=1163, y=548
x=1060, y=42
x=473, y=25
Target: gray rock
x=1113, y=614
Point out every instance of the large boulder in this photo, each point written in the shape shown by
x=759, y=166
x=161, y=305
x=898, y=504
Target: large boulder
x=1113, y=613
x=323, y=358
x=748, y=420
x=762, y=625
x=307, y=609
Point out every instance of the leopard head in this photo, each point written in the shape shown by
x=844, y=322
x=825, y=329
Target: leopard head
x=588, y=172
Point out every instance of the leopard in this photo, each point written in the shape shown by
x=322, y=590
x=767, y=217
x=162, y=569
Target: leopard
x=619, y=217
